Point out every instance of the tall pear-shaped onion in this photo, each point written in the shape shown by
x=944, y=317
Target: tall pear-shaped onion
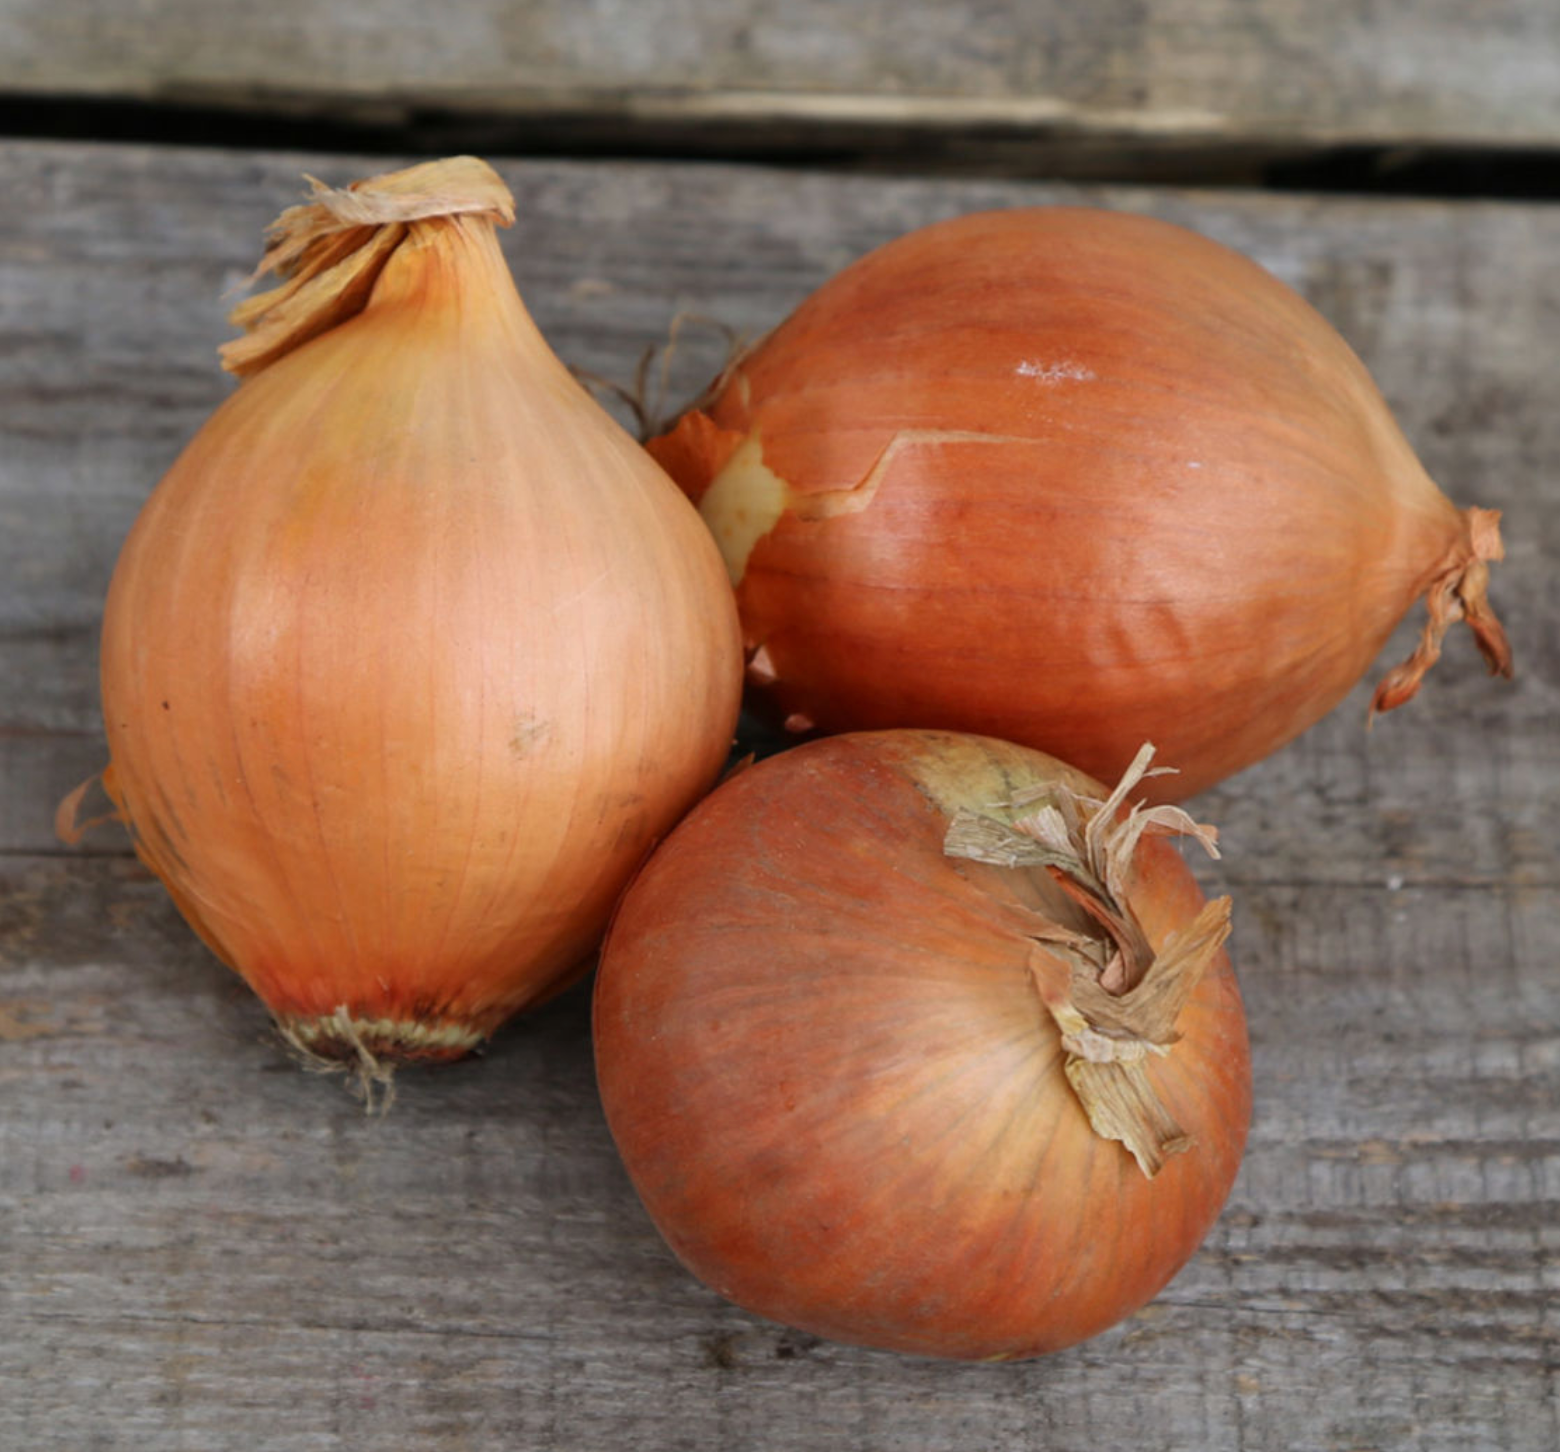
x=414, y=653
x=1077, y=479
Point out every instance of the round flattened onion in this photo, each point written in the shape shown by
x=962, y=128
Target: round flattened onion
x=870, y=1082
x=1077, y=479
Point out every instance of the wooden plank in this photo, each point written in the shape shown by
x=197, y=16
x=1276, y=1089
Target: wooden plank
x=197, y=1234
x=203, y=1247
x=1435, y=72
x=113, y=257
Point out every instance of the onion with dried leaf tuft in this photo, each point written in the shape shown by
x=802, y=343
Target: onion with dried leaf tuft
x=927, y=1042
x=414, y=653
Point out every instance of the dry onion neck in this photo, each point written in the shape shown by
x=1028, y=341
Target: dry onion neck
x=330, y=250
x=1459, y=591
x=1113, y=998
x=646, y=396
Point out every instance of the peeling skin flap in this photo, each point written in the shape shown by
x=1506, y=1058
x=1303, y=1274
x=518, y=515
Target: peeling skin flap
x=746, y=498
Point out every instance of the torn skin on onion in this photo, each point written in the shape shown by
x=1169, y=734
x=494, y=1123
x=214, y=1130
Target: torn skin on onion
x=1076, y=479
x=925, y=1041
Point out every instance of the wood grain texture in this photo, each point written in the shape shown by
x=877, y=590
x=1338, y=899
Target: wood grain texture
x=202, y=1247
x=196, y=1231
x=1427, y=71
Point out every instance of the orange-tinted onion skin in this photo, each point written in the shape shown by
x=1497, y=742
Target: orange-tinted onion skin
x=833, y=1083
x=1168, y=503
x=410, y=659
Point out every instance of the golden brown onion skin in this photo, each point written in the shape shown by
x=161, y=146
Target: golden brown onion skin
x=408, y=662
x=1073, y=478
x=835, y=1088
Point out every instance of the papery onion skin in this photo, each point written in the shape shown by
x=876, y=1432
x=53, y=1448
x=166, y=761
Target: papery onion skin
x=1077, y=479
x=835, y=1088
x=409, y=660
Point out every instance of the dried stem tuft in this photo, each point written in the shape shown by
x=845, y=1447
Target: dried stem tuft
x=1113, y=997
x=646, y=397
x=1458, y=592
x=330, y=250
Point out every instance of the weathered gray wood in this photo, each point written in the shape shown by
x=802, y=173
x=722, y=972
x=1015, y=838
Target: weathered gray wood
x=113, y=258
x=1437, y=71
x=203, y=1247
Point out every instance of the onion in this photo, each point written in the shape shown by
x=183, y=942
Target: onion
x=414, y=653
x=1076, y=479
x=871, y=1022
